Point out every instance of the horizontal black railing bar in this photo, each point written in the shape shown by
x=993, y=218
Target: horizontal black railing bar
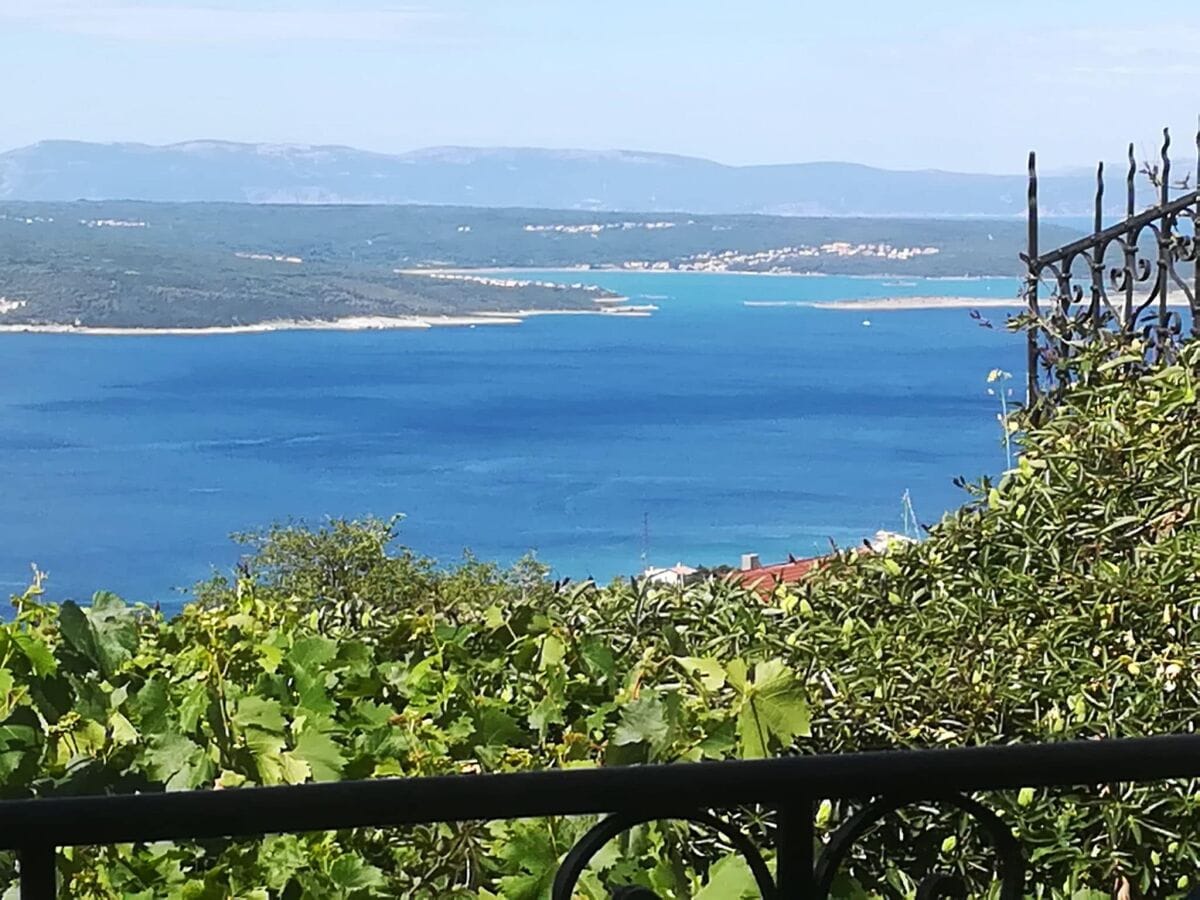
x=1114, y=231
x=634, y=790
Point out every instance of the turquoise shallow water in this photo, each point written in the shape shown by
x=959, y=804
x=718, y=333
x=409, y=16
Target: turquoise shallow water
x=128, y=461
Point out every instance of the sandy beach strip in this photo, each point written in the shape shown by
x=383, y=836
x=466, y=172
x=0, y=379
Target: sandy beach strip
x=351, y=323
x=623, y=312
x=898, y=304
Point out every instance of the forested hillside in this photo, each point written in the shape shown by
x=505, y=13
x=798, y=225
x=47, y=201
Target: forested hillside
x=157, y=265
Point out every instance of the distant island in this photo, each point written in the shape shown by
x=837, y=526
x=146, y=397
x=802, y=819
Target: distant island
x=112, y=267
x=504, y=177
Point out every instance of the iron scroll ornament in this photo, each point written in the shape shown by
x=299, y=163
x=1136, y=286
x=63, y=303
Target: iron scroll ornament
x=1010, y=858
x=576, y=861
x=1117, y=279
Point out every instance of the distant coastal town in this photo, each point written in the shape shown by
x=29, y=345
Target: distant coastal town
x=783, y=260
x=598, y=227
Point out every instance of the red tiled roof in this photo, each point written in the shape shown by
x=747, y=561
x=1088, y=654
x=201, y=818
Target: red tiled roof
x=765, y=578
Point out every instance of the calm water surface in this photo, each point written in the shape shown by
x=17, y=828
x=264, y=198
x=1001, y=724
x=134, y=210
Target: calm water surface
x=128, y=461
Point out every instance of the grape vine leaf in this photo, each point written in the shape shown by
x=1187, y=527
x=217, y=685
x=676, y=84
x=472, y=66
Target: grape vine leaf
x=322, y=754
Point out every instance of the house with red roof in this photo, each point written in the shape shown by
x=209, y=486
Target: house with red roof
x=753, y=575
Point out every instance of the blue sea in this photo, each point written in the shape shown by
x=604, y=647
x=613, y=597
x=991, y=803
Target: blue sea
x=708, y=430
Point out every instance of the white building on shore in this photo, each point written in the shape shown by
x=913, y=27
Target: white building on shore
x=676, y=575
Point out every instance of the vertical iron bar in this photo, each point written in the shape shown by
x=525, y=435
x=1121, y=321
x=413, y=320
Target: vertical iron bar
x=1031, y=285
x=1130, y=248
x=794, y=844
x=1164, y=239
x=1098, y=251
x=1165, y=187
x=38, y=873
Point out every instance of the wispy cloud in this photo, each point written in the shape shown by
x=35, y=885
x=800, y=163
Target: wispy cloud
x=214, y=23
x=1139, y=52
x=1160, y=42
x=1144, y=70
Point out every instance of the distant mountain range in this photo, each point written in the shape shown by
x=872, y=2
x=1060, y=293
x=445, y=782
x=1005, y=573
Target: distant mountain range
x=505, y=177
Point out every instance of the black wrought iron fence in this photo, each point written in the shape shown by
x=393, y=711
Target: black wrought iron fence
x=1119, y=278
x=702, y=793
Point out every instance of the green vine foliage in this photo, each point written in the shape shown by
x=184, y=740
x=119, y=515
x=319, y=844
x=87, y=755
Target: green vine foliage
x=331, y=657
x=1062, y=601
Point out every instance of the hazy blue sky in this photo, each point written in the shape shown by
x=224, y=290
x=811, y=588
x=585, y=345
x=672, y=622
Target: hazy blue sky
x=962, y=85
